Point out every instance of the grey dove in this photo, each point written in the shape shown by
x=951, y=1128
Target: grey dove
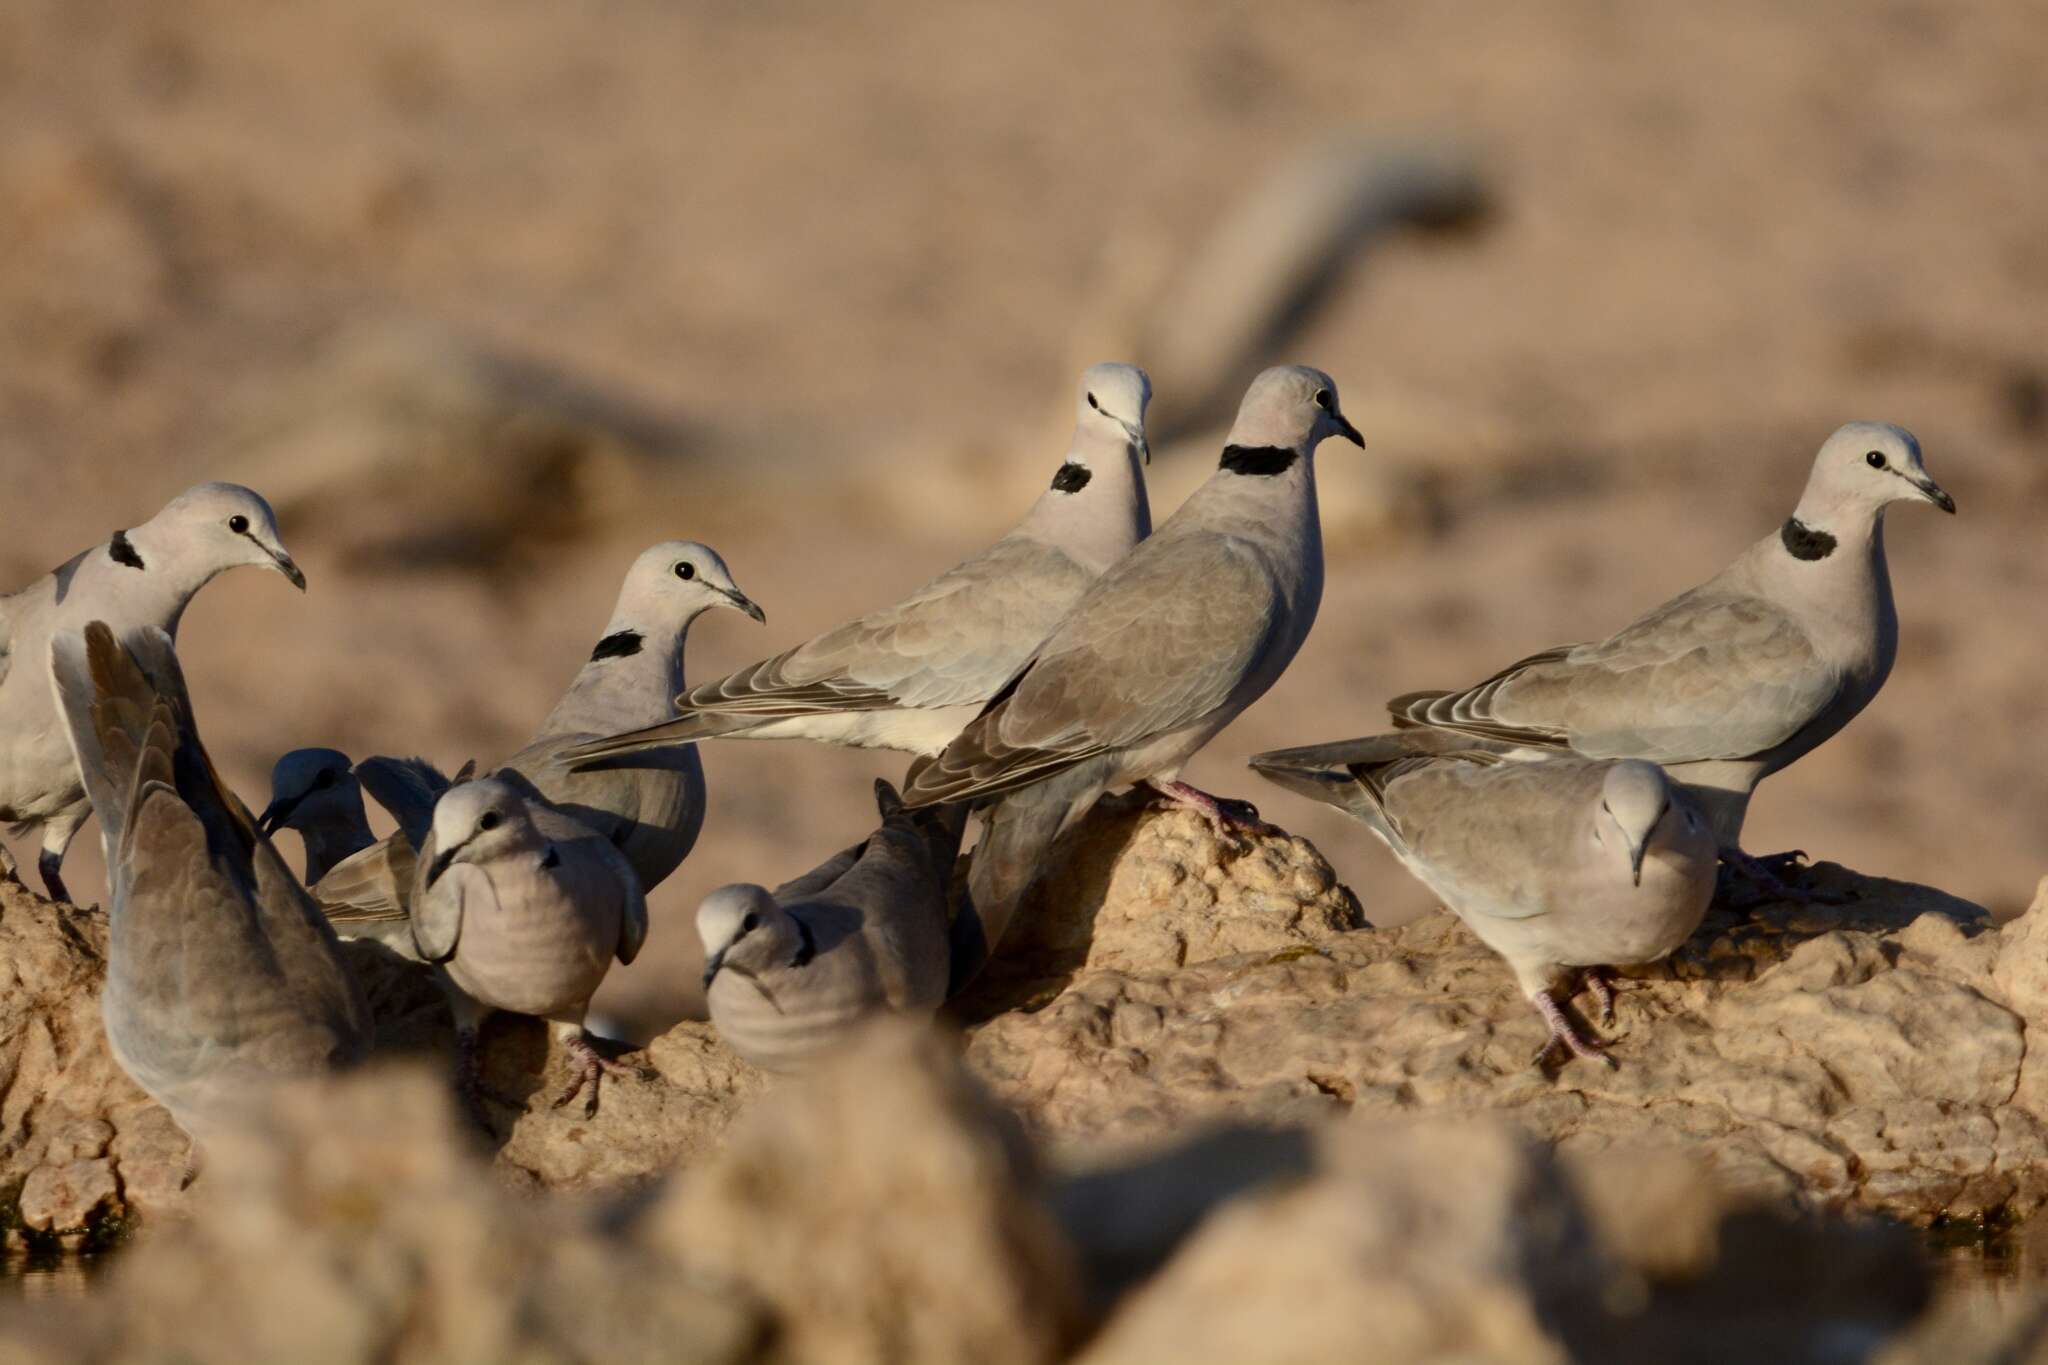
x=315, y=794
x=1159, y=654
x=524, y=908
x=222, y=975
x=910, y=675
x=650, y=804
x=789, y=973
x=1728, y=683
x=1565, y=867
x=141, y=577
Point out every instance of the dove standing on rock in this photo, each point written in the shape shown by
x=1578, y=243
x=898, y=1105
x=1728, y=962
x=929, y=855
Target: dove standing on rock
x=143, y=577
x=650, y=805
x=1565, y=867
x=524, y=908
x=1732, y=681
x=314, y=793
x=1163, y=651
x=909, y=676
x=222, y=975
x=789, y=973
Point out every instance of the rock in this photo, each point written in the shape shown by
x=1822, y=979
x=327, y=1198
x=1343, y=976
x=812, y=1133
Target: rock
x=1437, y=1239
x=886, y=1210
x=79, y=1141
x=1862, y=1054
x=1135, y=886
x=353, y=1223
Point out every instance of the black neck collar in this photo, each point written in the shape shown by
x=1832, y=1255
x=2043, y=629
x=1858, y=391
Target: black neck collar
x=1804, y=542
x=620, y=644
x=1259, y=461
x=122, y=551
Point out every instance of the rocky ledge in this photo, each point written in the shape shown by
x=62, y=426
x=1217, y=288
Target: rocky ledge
x=1359, y=1089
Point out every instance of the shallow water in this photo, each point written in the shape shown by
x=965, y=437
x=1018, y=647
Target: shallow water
x=49, y=1275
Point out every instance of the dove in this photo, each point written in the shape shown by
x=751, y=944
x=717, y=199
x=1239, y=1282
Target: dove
x=524, y=908
x=909, y=676
x=222, y=976
x=650, y=804
x=141, y=577
x=1728, y=683
x=788, y=973
x=1565, y=866
x=363, y=893
x=1159, y=654
x=314, y=793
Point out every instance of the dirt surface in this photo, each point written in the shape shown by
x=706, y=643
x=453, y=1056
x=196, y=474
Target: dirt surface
x=819, y=278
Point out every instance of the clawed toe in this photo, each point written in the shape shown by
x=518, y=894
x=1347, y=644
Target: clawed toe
x=1564, y=1033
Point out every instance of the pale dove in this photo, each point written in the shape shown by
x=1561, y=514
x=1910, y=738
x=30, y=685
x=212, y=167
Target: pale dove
x=1163, y=651
x=315, y=794
x=910, y=675
x=1565, y=866
x=141, y=577
x=222, y=975
x=524, y=908
x=1730, y=682
x=789, y=973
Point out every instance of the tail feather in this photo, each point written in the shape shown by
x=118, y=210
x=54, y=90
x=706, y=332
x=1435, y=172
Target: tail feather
x=1018, y=832
x=407, y=787
x=667, y=735
x=123, y=728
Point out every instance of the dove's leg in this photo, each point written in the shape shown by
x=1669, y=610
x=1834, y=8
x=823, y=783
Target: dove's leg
x=1768, y=875
x=1226, y=817
x=469, y=1062
x=1600, y=981
x=587, y=1066
x=58, y=832
x=1565, y=1033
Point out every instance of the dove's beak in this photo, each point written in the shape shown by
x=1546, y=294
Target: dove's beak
x=1635, y=860
x=276, y=813
x=1346, y=430
x=1138, y=441
x=741, y=602
x=1936, y=494
x=711, y=966
x=289, y=568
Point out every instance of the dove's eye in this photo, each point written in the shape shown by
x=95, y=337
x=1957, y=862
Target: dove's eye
x=238, y=523
x=324, y=781
x=1323, y=399
x=686, y=571
x=1875, y=459
x=750, y=923
x=489, y=820
x=1093, y=404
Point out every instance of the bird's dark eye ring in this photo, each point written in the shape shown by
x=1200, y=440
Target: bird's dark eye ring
x=1093, y=404
x=238, y=523
x=686, y=571
x=750, y=923
x=1323, y=399
x=1875, y=459
x=490, y=819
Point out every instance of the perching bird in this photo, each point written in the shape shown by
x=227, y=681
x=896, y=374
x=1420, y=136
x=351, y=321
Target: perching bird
x=787, y=974
x=222, y=975
x=1730, y=682
x=1565, y=866
x=314, y=793
x=524, y=908
x=363, y=892
x=1163, y=651
x=909, y=676
x=141, y=577
x=649, y=805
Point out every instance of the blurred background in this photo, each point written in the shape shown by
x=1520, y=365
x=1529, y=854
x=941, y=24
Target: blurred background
x=486, y=297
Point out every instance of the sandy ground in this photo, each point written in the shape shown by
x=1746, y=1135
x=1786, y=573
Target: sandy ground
x=826, y=274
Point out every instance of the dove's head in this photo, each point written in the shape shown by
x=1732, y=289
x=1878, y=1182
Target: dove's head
x=746, y=932
x=211, y=528
x=1112, y=405
x=1636, y=808
x=478, y=821
x=674, y=581
x=1290, y=407
x=310, y=787
x=1863, y=467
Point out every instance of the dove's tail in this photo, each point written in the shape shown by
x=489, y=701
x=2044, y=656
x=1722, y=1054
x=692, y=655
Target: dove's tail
x=1019, y=830
x=407, y=787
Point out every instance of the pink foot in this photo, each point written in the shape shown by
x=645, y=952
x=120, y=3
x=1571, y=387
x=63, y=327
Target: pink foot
x=587, y=1067
x=1600, y=981
x=1564, y=1033
x=1231, y=820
